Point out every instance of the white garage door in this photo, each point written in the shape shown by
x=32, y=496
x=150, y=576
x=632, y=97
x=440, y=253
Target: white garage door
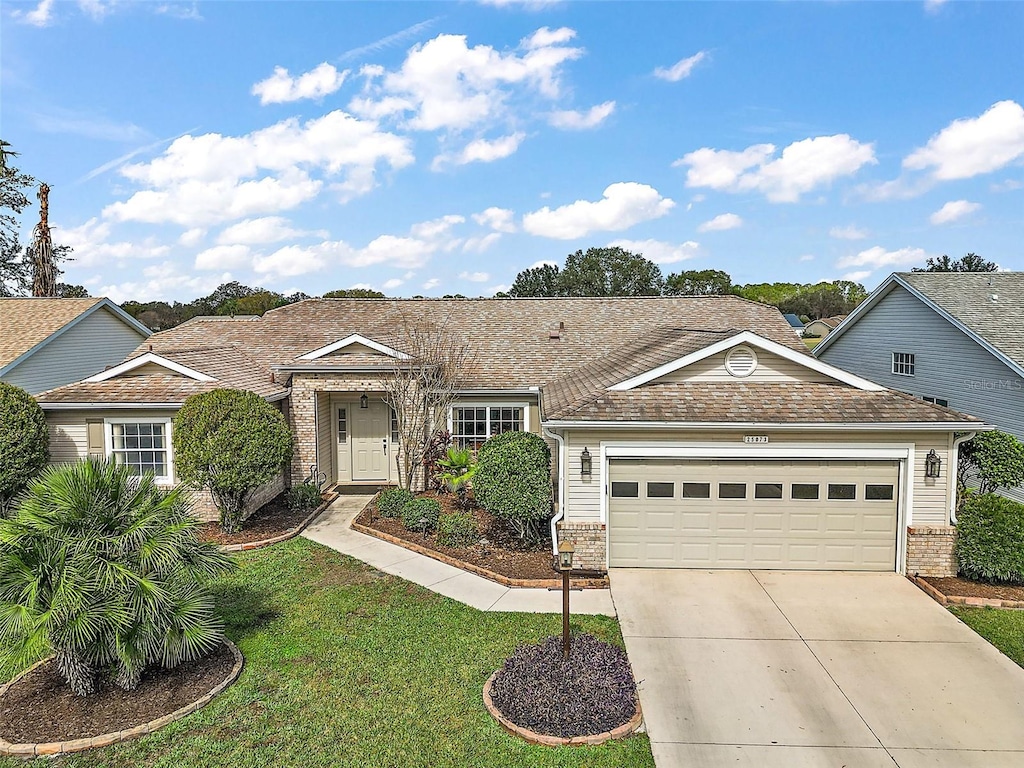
x=799, y=515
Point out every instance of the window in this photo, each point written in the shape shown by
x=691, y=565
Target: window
x=625, y=490
x=394, y=427
x=878, y=492
x=903, y=363
x=661, y=490
x=768, y=490
x=842, y=491
x=342, y=425
x=936, y=401
x=804, y=491
x=143, y=446
x=472, y=425
x=732, y=490
x=696, y=490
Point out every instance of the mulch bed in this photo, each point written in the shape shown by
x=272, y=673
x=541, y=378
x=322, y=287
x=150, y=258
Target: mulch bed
x=272, y=519
x=41, y=707
x=957, y=587
x=504, y=554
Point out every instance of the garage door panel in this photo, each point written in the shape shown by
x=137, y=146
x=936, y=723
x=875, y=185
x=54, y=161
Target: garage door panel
x=715, y=518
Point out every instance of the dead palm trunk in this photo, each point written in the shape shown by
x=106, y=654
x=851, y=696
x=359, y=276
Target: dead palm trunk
x=44, y=273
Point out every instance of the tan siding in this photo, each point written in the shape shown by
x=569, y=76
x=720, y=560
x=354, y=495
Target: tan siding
x=770, y=368
x=150, y=369
x=325, y=432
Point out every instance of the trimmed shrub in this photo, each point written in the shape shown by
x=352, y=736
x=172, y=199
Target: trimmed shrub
x=24, y=442
x=457, y=529
x=420, y=509
x=392, y=501
x=997, y=458
x=990, y=539
x=304, y=496
x=513, y=481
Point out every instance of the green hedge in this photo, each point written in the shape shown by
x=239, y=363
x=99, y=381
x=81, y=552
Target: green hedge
x=419, y=509
x=990, y=539
x=513, y=481
x=457, y=529
x=392, y=501
x=24, y=442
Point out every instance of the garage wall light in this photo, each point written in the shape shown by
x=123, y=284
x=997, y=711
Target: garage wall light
x=932, y=464
x=364, y=401
x=586, y=463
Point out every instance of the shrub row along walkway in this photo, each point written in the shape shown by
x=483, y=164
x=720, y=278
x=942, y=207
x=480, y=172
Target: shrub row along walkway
x=333, y=529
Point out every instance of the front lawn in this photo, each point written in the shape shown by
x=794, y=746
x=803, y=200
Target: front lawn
x=348, y=666
x=1003, y=628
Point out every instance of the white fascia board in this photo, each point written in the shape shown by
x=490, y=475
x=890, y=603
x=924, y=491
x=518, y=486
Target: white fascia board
x=751, y=338
x=149, y=357
x=921, y=426
x=109, y=406
x=348, y=341
x=859, y=311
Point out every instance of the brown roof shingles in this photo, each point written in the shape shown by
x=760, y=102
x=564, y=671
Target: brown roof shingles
x=25, y=322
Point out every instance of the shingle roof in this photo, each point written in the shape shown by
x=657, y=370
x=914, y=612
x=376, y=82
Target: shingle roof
x=511, y=337
x=25, y=322
x=758, y=403
x=967, y=296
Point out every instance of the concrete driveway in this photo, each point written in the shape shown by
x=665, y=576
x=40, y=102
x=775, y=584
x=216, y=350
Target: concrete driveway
x=774, y=669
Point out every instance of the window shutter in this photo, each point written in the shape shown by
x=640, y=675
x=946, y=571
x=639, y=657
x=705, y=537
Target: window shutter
x=96, y=441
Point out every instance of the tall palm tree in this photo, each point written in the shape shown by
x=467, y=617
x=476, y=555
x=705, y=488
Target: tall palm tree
x=106, y=570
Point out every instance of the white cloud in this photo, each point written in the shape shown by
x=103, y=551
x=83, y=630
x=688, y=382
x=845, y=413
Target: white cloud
x=681, y=69
x=281, y=87
x=806, y=257
x=40, y=16
x=527, y=5
x=623, y=205
x=431, y=284
x=953, y=211
x=659, y=251
x=498, y=219
x=721, y=222
x=500, y=288
x=574, y=120
x=224, y=257
x=163, y=282
x=394, y=282
x=1009, y=185
x=802, y=166
x=972, y=146
x=481, y=243
x=213, y=178
x=192, y=237
x=474, y=277
x=266, y=229
x=436, y=228
x=92, y=246
x=933, y=6
x=482, y=151
x=857, y=276
x=444, y=84
x=850, y=232
x=877, y=257
x=543, y=263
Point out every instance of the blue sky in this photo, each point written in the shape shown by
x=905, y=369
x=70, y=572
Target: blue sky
x=431, y=148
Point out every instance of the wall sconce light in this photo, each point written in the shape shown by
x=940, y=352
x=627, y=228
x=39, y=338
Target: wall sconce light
x=586, y=463
x=932, y=464
x=364, y=401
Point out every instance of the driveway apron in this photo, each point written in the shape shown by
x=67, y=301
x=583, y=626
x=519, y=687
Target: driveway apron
x=779, y=669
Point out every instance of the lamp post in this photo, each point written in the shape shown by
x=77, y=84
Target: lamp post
x=565, y=551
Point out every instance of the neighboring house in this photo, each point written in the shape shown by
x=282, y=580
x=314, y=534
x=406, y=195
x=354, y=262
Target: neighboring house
x=45, y=342
x=795, y=322
x=822, y=327
x=686, y=431
x=950, y=338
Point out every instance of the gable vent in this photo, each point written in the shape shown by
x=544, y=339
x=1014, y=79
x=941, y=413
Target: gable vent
x=740, y=362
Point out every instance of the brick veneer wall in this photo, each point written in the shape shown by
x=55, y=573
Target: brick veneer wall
x=589, y=541
x=206, y=510
x=930, y=550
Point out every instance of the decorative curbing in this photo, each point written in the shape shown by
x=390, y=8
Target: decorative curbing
x=545, y=740
x=973, y=602
x=53, y=748
x=580, y=583
x=289, y=534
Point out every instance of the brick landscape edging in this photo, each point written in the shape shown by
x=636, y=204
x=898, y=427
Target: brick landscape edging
x=582, y=583
x=52, y=748
x=291, y=533
x=543, y=739
x=973, y=602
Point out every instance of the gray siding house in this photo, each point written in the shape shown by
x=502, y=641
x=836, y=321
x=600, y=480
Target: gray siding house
x=46, y=343
x=954, y=339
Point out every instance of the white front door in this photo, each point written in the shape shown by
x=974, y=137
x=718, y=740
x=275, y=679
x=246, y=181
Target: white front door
x=371, y=428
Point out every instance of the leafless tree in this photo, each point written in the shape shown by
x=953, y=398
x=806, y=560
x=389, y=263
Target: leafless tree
x=44, y=272
x=423, y=384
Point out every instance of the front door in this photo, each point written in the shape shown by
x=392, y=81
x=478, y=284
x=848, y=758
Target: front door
x=371, y=428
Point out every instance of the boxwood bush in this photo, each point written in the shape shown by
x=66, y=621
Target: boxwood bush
x=457, y=529
x=990, y=539
x=513, y=481
x=304, y=496
x=24, y=442
x=420, y=509
x=392, y=501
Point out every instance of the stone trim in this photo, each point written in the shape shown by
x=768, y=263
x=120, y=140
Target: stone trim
x=974, y=602
x=289, y=534
x=545, y=740
x=52, y=748
x=930, y=551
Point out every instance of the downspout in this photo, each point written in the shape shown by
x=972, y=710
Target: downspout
x=954, y=465
x=562, y=487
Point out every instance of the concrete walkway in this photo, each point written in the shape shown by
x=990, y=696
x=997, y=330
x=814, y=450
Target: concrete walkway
x=332, y=529
x=773, y=669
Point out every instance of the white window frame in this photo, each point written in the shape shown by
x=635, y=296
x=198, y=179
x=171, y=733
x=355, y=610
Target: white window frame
x=108, y=439
x=911, y=364
x=488, y=405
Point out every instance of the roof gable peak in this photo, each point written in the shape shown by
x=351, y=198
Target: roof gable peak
x=148, y=359
x=354, y=340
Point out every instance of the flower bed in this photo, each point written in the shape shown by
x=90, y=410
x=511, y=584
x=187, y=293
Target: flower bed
x=269, y=523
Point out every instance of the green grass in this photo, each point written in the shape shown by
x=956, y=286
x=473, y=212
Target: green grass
x=1001, y=627
x=346, y=666
x=812, y=343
